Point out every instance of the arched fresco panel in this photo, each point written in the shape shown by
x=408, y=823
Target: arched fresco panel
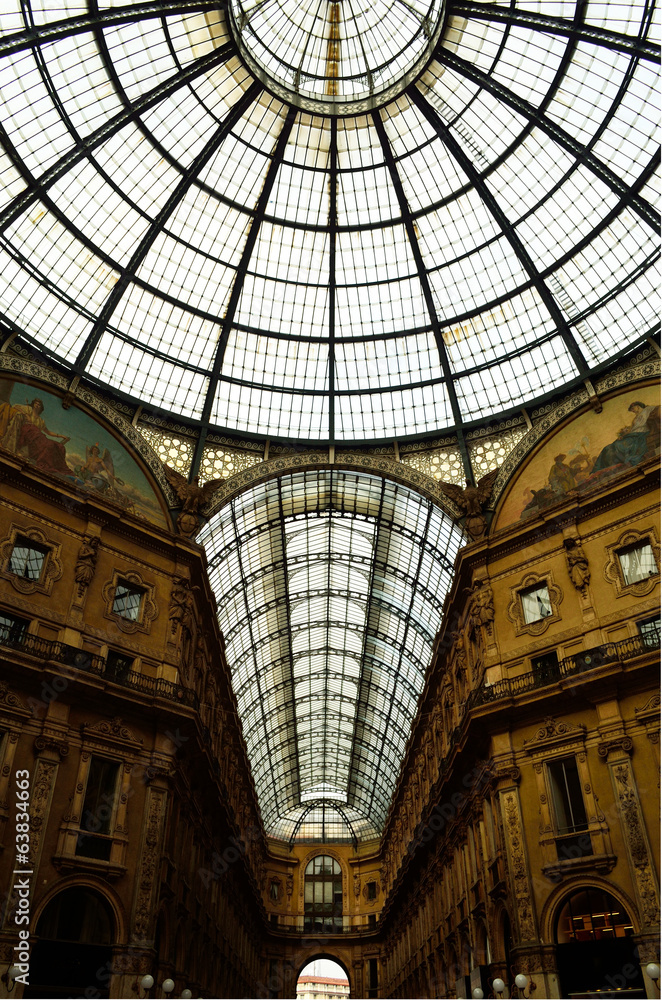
x=587, y=451
x=70, y=444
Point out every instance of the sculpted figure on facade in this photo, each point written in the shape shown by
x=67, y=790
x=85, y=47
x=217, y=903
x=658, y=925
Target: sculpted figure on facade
x=577, y=563
x=471, y=500
x=438, y=724
x=482, y=606
x=181, y=605
x=86, y=562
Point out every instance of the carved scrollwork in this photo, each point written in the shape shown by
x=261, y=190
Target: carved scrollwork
x=622, y=743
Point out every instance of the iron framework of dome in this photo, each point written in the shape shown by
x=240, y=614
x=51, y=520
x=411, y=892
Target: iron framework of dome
x=309, y=223
x=172, y=230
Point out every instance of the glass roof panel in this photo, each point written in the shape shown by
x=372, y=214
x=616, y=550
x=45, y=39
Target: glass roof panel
x=208, y=204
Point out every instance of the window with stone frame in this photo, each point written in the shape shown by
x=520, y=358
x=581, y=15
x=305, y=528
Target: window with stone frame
x=13, y=630
x=649, y=630
x=118, y=665
x=28, y=559
x=128, y=599
x=536, y=603
x=567, y=799
x=97, y=814
x=637, y=562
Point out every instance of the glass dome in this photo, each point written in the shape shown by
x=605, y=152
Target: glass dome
x=336, y=58
x=467, y=227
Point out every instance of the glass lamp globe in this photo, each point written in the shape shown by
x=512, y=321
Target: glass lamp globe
x=167, y=986
x=520, y=981
x=653, y=970
x=147, y=982
x=498, y=985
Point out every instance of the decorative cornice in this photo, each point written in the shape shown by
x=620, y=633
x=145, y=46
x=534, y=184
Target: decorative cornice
x=46, y=742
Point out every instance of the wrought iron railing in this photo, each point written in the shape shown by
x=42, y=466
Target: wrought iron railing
x=571, y=666
x=80, y=660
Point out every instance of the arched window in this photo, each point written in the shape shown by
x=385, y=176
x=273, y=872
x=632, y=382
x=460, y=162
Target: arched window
x=595, y=948
x=592, y=915
x=73, y=949
x=322, y=904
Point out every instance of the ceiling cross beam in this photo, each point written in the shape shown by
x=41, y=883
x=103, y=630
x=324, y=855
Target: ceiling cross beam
x=112, y=17
x=172, y=203
x=580, y=152
x=289, y=656
x=240, y=277
x=427, y=291
x=408, y=622
x=453, y=145
x=364, y=683
x=582, y=32
x=81, y=151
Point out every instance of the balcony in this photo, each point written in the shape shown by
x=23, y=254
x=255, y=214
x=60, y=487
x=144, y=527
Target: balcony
x=571, y=666
x=84, y=662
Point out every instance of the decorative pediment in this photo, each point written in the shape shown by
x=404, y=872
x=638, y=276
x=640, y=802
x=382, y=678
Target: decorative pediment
x=110, y=730
x=554, y=733
x=650, y=710
x=9, y=700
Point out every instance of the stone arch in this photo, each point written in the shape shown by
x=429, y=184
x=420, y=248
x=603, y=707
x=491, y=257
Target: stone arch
x=309, y=959
x=93, y=885
x=482, y=945
x=76, y=931
x=372, y=465
x=553, y=903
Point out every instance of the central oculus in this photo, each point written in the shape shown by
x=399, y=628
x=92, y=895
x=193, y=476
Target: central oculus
x=336, y=58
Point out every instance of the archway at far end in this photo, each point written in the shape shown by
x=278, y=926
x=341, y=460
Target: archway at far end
x=324, y=976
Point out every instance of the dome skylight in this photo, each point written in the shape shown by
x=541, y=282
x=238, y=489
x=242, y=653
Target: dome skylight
x=340, y=56
x=172, y=230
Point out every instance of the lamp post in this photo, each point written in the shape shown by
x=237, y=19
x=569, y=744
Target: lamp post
x=147, y=982
x=653, y=972
x=9, y=977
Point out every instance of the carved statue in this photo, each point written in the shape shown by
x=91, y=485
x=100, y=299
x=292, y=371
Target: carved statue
x=181, y=605
x=193, y=497
x=482, y=606
x=86, y=562
x=438, y=725
x=460, y=653
x=471, y=500
x=577, y=563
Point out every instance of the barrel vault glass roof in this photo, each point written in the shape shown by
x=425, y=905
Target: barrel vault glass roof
x=329, y=222
x=333, y=584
